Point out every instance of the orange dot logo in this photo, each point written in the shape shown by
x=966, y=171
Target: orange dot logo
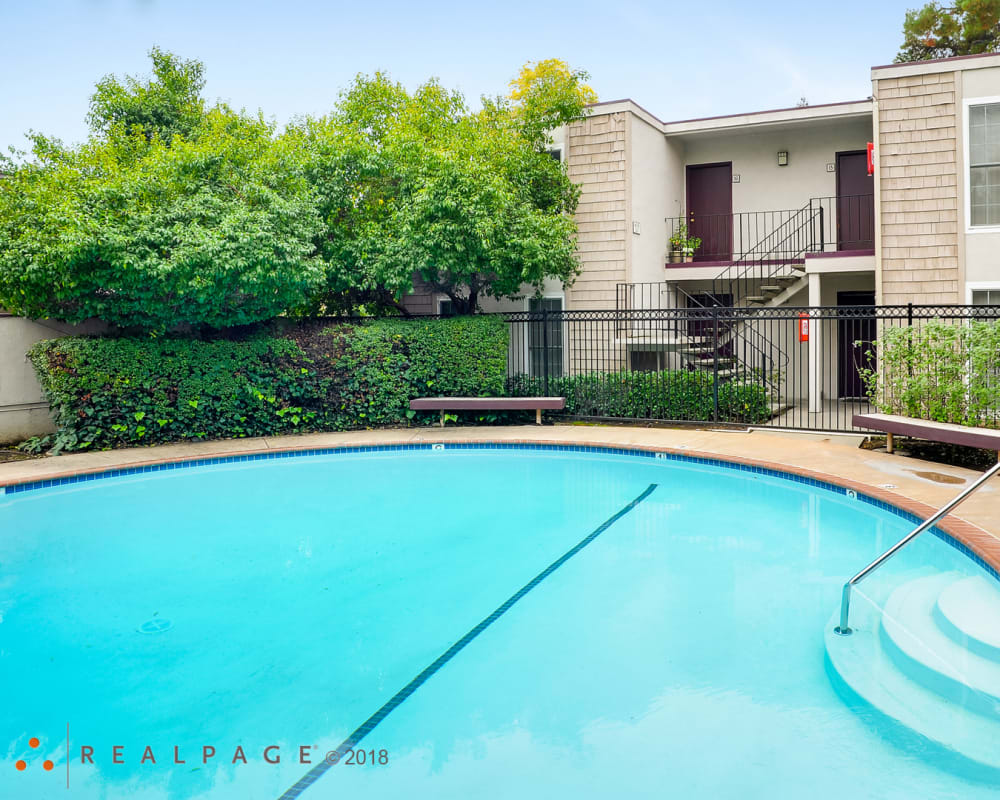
x=34, y=743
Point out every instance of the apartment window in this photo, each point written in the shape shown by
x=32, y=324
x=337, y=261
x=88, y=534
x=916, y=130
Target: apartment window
x=446, y=308
x=984, y=164
x=645, y=361
x=545, y=338
x=986, y=297
x=555, y=153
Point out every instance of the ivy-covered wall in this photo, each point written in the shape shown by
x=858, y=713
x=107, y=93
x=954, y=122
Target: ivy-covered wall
x=117, y=392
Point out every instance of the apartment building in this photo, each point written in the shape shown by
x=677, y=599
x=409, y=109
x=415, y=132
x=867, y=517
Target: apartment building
x=885, y=200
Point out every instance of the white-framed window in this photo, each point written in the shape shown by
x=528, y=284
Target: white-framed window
x=982, y=294
x=545, y=338
x=555, y=151
x=982, y=155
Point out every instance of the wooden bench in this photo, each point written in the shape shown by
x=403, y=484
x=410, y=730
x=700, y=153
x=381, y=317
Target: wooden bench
x=963, y=435
x=443, y=404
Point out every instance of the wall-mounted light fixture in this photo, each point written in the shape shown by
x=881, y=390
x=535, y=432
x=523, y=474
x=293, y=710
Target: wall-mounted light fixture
x=782, y=158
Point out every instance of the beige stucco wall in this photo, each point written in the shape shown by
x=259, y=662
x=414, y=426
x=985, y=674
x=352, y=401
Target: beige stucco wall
x=23, y=410
x=917, y=205
x=657, y=193
x=765, y=186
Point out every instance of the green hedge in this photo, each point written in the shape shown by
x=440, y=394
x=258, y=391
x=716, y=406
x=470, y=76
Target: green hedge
x=668, y=395
x=116, y=392
x=944, y=370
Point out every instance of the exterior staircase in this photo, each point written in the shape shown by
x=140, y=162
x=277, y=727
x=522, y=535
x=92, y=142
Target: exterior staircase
x=773, y=270
x=736, y=352
x=926, y=668
x=779, y=289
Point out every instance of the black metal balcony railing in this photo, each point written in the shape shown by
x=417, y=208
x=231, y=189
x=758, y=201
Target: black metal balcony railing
x=762, y=248
x=835, y=223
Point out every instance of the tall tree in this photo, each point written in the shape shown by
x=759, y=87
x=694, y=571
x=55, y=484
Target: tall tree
x=967, y=27
x=549, y=93
x=184, y=216
x=417, y=184
x=167, y=104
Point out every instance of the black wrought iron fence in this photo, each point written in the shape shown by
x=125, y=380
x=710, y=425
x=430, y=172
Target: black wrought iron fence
x=802, y=368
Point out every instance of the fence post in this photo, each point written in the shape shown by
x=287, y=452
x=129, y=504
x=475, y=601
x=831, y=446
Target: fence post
x=715, y=363
x=909, y=315
x=545, y=346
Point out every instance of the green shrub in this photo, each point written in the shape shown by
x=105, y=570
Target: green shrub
x=945, y=371
x=115, y=392
x=669, y=395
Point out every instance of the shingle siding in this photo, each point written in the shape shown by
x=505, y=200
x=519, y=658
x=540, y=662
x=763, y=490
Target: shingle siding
x=596, y=161
x=917, y=147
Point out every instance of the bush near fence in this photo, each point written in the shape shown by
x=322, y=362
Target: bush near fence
x=944, y=371
x=117, y=392
x=682, y=395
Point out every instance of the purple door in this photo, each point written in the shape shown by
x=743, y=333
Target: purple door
x=855, y=202
x=710, y=210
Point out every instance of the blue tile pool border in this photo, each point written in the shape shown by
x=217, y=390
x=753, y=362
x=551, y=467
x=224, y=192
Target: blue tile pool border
x=636, y=451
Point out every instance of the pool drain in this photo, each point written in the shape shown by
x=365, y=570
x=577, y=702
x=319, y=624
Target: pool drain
x=157, y=625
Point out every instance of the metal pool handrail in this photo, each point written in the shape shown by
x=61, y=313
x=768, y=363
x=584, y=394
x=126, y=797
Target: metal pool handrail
x=844, y=629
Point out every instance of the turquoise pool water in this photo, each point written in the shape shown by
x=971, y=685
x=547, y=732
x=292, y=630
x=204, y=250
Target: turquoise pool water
x=282, y=603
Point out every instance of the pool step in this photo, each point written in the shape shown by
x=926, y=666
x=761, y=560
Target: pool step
x=969, y=612
x=927, y=690
x=927, y=654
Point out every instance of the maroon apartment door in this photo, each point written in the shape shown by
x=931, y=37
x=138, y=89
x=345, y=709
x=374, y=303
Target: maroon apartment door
x=855, y=202
x=855, y=335
x=710, y=210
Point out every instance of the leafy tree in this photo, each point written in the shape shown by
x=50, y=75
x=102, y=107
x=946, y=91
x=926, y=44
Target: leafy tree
x=965, y=28
x=548, y=94
x=491, y=215
x=212, y=228
x=166, y=105
x=419, y=185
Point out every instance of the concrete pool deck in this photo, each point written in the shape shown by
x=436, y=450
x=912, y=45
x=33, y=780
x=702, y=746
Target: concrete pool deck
x=917, y=486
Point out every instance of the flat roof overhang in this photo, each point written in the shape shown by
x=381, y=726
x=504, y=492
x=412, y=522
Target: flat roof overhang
x=779, y=119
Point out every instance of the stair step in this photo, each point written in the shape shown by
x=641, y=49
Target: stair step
x=774, y=289
x=756, y=298
x=799, y=267
x=969, y=612
x=710, y=362
x=919, y=719
x=930, y=656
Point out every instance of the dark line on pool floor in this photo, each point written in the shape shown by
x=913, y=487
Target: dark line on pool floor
x=369, y=724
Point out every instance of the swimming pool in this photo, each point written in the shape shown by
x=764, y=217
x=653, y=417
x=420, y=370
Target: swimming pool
x=496, y=622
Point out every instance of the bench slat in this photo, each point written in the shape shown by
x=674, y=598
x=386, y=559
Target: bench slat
x=486, y=403
x=947, y=432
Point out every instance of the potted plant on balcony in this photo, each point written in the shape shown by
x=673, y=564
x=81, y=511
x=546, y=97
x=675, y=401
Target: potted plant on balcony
x=682, y=246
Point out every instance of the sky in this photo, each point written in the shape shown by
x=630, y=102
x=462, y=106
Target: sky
x=676, y=59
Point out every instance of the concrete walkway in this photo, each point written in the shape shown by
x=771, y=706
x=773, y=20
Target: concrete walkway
x=918, y=486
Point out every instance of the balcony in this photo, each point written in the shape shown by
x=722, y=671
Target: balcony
x=756, y=257
x=824, y=224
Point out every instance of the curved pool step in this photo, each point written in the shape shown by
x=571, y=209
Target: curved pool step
x=906, y=712
x=969, y=611
x=926, y=653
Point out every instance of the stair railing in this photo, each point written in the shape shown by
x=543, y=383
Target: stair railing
x=796, y=239
x=844, y=628
x=767, y=350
